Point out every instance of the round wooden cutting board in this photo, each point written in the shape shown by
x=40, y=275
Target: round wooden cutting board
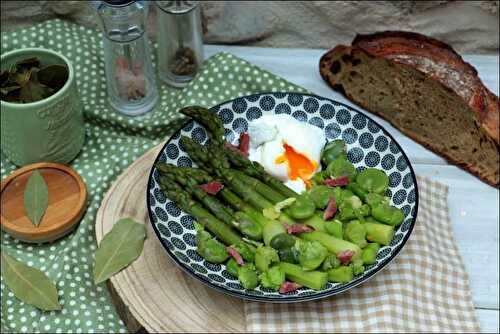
x=67, y=199
x=153, y=292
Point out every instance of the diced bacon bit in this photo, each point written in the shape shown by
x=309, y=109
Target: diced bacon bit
x=235, y=255
x=233, y=148
x=212, y=188
x=244, y=143
x=345, y=256
x=331, y=209
x=298, y=228
x=289, y=287
x=338, y=181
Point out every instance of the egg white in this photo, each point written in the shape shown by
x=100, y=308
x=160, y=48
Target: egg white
x=270, y=132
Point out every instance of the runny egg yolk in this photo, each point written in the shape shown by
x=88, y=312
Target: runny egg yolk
x=299, y=165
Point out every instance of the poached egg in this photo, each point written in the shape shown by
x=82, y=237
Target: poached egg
x=288, y=149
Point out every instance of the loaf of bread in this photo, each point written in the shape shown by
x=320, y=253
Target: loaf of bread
x=426, y=90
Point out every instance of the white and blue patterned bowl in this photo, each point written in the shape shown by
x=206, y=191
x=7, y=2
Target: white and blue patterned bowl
x=368, y=144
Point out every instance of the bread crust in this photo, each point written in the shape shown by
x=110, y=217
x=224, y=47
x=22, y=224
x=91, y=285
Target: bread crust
x=440, y=62
x=325, y=65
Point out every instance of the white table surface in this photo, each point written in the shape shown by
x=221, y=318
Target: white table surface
x=474, y=206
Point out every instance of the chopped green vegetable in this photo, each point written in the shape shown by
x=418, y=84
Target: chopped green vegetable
x=341, y=194
x=341, y=167
x=388, y=214
x=264, y=256
x=342, y=274
x=357, y=267
x=246, y=252
x=232, y=267
x=270, y=213
x=332, y=151
x=290, y=255
x=332, y=244
x=375, y=199
x=319, y=177
x=320, y=195
x=373, y=180
x=283, y=241
x=312, y=279
x=379, y=233
x=247, y=275
x=247, y=226
x=272, y=278
x=311, y=254
x=210, y=249
x=302, y=208
x=271, y=229
x=331, y=261
x=348, y=212
x=355, y=232
x=356, y=189
x=334, y=227
x=369, y=253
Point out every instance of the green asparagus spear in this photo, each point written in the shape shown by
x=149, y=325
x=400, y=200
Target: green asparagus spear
x=369, y=254
x=262, y=188
x=379, y=233
x=331, y=243
x=210, y=120
x=214, y=225
x=312, y=279
x=214, y=125
x=342, y=274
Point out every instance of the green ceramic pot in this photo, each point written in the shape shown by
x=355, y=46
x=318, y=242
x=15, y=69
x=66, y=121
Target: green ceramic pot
x=49, y=130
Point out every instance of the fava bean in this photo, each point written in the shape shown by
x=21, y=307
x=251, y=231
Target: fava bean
x=321, y=195
x=302, y=208
x=373, y=180
x=341, y=167
x=232, y=267
x=247, y=275
x=290, y=255
x=358, y=190
x=282, y=241
x=264, y=256
x=334, y=227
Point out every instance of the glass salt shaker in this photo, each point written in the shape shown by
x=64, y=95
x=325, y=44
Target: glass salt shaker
x=129, y=73
x=180, y=41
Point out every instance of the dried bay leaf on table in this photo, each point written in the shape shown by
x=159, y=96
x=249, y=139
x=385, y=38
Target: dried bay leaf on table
x=119, y=247
x=36, y=197
x=29, y=284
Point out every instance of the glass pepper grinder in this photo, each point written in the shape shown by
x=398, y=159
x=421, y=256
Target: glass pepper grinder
x=180, y=41
x=129, y=73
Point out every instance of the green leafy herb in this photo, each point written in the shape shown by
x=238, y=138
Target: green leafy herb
x=119, y=247
x=29, y=284
x=28, y=81
x=36, y=197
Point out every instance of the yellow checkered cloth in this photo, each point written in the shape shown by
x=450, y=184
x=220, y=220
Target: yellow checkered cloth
x=425, y=289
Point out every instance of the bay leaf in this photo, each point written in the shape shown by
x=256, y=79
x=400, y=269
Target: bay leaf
x=34, y=91
x=36, y=197
x=28, y=63
x=29, y=284
x=119, y=247
x=53, y=76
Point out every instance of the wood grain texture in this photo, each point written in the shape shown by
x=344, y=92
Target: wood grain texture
x=153, y=291
x=67, y=202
